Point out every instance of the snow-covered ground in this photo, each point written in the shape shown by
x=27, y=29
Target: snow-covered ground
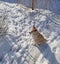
x=16, y=46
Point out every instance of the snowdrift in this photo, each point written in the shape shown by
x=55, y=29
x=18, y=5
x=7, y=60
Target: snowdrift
x=16, y=46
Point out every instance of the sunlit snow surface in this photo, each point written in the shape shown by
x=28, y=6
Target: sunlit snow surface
x=16, y=46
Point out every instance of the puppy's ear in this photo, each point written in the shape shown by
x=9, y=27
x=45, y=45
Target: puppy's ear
x=34, y=28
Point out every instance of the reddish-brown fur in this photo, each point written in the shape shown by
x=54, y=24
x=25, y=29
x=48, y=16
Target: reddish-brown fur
x=37, y=37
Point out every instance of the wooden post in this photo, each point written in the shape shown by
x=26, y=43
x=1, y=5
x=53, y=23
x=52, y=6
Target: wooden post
x=32, y=4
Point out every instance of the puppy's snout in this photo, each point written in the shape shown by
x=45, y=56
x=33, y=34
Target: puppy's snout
x=30, y=32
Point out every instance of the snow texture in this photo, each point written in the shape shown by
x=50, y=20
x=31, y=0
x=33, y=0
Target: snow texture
x=16, y=45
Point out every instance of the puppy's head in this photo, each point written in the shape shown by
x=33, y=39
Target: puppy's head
x=33, y=29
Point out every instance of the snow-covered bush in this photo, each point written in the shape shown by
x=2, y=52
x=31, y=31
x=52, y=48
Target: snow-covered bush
x=3, y=24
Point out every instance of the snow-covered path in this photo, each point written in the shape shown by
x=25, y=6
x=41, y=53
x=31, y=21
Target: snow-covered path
x=16, y=46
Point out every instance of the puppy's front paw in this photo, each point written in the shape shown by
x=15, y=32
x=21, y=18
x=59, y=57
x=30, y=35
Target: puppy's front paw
x=34, y=44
